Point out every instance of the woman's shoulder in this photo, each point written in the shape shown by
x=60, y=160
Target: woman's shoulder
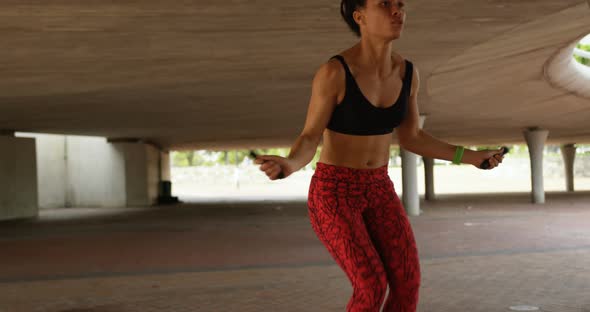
x=330, y=78
x=331, y=69
x=404, y=63
x=400, y=59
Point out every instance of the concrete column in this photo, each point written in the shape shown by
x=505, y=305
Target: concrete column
x=410, y=196
x=568, y=151
x=142, y=173
x=18, y=178
x=50, y=150
x=429, y=178
x=165, y=166
x=535, y=139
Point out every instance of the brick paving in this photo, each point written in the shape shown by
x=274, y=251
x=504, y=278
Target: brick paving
x=478, y=253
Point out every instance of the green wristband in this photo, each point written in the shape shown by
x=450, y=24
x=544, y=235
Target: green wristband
x=458, y=155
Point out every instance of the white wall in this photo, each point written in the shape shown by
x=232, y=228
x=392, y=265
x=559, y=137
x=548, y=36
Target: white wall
x=95, y=173
x=18, y=178
x=51, y=170
x=82, y=171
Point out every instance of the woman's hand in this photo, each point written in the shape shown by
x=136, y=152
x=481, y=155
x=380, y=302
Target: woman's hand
x=273, y=165
x=494, y=157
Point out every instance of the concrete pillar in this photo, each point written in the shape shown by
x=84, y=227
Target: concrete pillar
x=535, y=139
x=165, y=166
x=568, y=151
x=429, y=178
x=142, y=173
x=50, y=150
x=18, y=178
x=410, y=196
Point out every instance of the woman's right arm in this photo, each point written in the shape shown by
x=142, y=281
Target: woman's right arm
x=324, y=93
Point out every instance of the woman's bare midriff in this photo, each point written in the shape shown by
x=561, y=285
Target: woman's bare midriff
x=353, y=151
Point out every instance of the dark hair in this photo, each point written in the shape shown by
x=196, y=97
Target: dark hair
x=347, y=7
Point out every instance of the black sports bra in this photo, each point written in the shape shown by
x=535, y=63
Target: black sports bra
x=357, y=116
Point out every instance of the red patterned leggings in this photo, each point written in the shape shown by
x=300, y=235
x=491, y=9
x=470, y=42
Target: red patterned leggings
x=360, y=219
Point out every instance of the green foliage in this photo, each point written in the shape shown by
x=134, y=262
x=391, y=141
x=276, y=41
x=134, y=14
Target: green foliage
x=553, y=150
x=179, y=159
x=393, y=154
x=233, y=157
x=519, y=150
x=394, y=151
x=212, y=158
x=485, y=147
x=192, y=158
x=583, y=60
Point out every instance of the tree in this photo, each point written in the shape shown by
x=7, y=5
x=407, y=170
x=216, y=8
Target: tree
x=190, y=158
x=580, y=59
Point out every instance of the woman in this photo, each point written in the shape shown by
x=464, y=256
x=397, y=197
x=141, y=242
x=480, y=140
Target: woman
x=352, y=203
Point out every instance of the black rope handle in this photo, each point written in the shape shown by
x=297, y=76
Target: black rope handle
x=254, y=155
x=486, y=163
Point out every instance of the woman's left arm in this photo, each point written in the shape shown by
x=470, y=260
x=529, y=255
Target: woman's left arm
x=417, y=141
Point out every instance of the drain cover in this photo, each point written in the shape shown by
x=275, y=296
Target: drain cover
x=523, y=308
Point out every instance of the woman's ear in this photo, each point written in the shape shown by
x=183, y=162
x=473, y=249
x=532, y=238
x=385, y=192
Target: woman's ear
x=358, y=17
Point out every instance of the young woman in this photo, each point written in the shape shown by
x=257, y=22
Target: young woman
x=358, y=98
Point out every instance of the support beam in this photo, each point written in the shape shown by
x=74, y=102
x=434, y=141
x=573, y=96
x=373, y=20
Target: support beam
x=6, y=132
x=568, y=151
x=535, y=139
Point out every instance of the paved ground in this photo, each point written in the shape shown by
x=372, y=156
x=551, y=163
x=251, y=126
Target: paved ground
x=478, y=253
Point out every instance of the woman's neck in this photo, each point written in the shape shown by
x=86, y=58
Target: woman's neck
x=375, y=56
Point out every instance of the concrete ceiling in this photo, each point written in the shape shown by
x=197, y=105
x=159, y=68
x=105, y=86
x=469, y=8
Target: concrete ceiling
x=208, y=74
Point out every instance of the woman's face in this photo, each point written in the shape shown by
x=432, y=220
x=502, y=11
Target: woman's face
x=382, y=18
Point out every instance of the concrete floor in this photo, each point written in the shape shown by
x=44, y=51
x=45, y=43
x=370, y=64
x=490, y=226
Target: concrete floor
x=478, y=253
